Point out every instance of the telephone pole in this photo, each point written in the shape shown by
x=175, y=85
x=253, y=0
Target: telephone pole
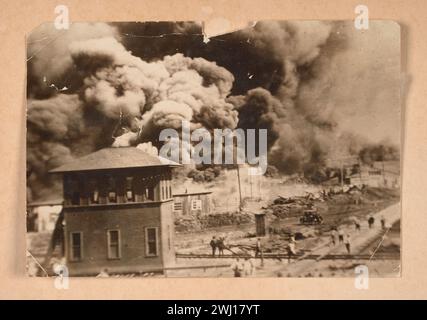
x=240, y=188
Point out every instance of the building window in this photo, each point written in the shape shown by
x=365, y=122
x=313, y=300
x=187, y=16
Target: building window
x=76, y=246
x=150, y=193
x=112, y=197
x=129, y=189
x=151, y=243
x=196, y=205
x=95, y=196
x=169, y=237
x=93, y=191
x=177, y=206
x=75, y=198
x=113, y=242
x=112, y=194
x=163, y=189
x=374, y=172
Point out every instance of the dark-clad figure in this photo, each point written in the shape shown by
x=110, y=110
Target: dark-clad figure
x=221, y=246
x=357, y=225
x=258, y=247
x=347, y=243
x=371, y=221
x=213, y=246
x=383, y=225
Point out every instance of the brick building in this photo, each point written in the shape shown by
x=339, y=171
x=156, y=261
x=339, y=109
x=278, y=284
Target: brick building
x=118, y=212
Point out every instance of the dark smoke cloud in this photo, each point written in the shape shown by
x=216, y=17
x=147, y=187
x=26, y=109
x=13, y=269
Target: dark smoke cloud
x=119, y=94
x=259, y=109
x=127, y=81
x=379, y=152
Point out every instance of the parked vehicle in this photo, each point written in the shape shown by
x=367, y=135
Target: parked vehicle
x=311, y=217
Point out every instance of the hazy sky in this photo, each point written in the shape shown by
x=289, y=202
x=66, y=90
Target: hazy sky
x=367, y=83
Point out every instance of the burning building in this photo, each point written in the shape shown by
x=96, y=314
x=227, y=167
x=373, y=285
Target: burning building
x=117, y=212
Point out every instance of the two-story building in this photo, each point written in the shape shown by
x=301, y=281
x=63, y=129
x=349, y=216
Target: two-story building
x=118, y=212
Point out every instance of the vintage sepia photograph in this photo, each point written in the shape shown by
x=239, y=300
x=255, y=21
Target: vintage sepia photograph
x=154, y=150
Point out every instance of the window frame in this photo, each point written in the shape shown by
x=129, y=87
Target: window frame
x=147, y=254
x=71, y=246
x=197, y=207
x=180, y=202
x=119, y=244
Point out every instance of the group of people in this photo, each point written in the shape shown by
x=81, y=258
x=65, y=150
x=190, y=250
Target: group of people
x=243, y=268
x=217, y=244
x=344, y=237
x=371, y=221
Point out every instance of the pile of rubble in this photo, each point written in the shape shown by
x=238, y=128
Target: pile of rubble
x=200, y=222
x=183, y=224
x=225, y=219
x=288, y=207
x=283, y=207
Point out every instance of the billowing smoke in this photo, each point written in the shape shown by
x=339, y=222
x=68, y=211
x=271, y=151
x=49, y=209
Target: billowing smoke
x=379, y=152
x=124, y=96
x=298, y=128
x=99, y=85
x=50, y=65
x=155, y=95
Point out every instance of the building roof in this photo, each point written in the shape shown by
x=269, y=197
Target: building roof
x=190, y=193
x=55, y=202
x=114, y=158
x=188, y=190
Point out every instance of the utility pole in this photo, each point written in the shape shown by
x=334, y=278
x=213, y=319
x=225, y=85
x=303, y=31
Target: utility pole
x=240, y=188
x=340, y=160
x=250, y=181
x=383, y=173
x=360, y=170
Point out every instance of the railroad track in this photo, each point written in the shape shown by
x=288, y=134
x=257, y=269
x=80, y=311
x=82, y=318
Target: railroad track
x=378, y=256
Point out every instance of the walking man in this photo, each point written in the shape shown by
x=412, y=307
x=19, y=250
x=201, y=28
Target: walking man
x=334, y=235
x=221, y=246
x=383, y=222
x=291, y=250
x=341, y=236
x=371, y=221
x=347, y=243
x=357, y=225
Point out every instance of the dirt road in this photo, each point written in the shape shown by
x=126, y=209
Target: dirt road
x=358, y=240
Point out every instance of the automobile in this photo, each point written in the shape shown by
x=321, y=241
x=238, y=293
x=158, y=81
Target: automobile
x=311, y=217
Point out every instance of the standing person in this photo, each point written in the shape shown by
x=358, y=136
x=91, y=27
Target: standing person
x=334, y=235
x=291, y=250
x=357, y=225
x=371, y=221
x=383, y=222
x=341, y=236
x=258, y=247
x=237, y=268
x=248, y=267
x=347, y=242
x=221, y=246
x=213, y=245
x=103, y=273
